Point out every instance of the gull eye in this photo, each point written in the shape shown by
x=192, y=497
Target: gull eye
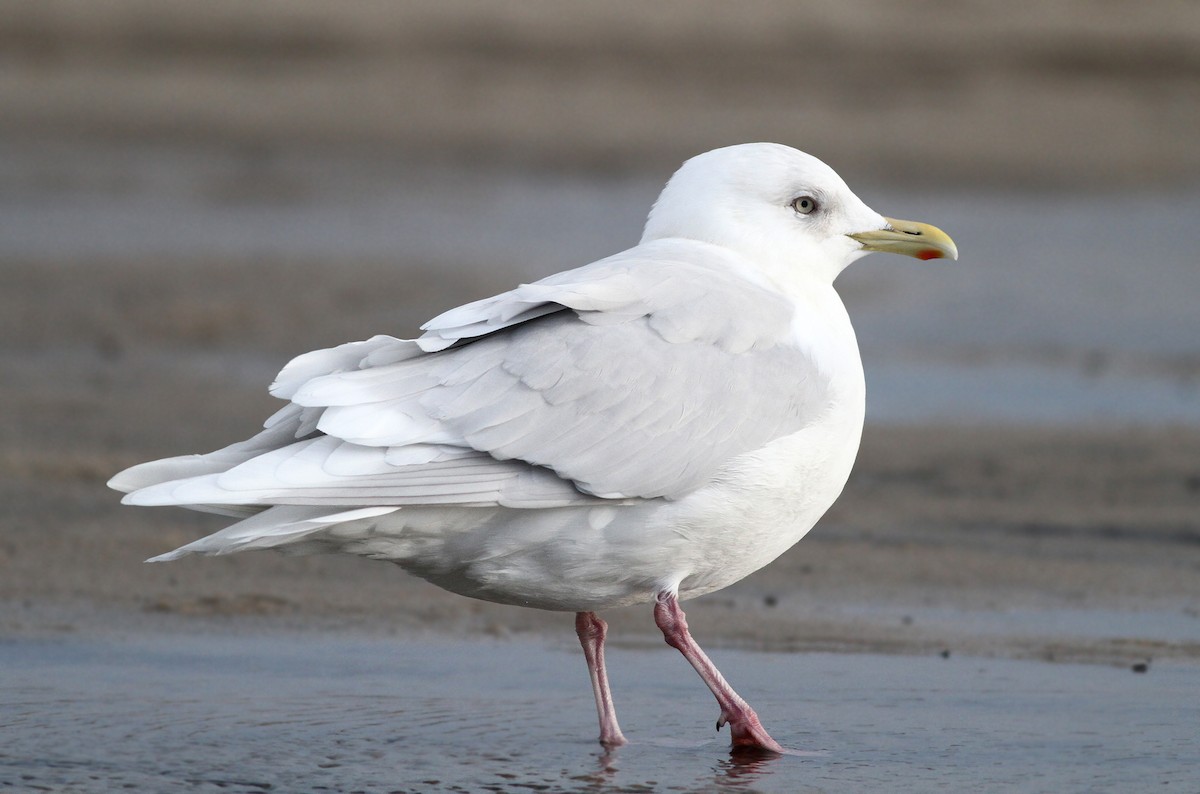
x=805, y=205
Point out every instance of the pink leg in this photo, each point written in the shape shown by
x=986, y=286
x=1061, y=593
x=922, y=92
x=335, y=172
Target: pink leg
x=747, y=732
x=592, y=630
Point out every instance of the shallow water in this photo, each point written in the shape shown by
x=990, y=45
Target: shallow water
x=325, y=712
x=1065, y=308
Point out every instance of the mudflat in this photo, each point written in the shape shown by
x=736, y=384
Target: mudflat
x=991, y=540
x=1060, y=541
x=1061, y=94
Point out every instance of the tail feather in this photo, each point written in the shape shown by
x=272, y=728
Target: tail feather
x=275, y=526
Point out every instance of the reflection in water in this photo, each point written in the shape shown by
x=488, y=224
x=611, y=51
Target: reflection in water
x=743, y=769
x=607, y=768
x=339, y=713
x=739, y=771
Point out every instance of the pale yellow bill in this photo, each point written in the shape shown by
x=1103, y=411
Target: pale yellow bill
x=910, y=239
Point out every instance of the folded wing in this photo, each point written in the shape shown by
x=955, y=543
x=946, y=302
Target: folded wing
x=635, y=377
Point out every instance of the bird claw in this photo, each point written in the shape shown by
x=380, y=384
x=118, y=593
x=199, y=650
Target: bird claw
x=747, y=733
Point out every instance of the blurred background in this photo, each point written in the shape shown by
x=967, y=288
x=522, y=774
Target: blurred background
x=192, y=193
x=262, y=178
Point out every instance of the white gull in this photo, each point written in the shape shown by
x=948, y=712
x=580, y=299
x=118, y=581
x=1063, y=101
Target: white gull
x=647, y=428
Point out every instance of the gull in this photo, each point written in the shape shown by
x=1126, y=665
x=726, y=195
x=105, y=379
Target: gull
x=644, y=429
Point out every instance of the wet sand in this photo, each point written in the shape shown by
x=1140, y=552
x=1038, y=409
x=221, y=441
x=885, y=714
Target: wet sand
x=1075, y=542
x=1061, y=94
x=280, y=711
x=191, y=196
x=1020, y=532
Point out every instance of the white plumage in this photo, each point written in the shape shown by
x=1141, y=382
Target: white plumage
x=658, y=424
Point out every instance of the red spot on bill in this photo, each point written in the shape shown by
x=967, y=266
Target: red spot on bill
x=930, y=253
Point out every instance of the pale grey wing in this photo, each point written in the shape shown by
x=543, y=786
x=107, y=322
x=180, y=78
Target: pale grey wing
x=280, y=526
x=647, y=405
x=287, y=425
x=633, y=377
x=617, y=410
x=291, y=463
x=290, y=423
x=689, y=291
x=324, y=471
x=200, y=482
x=376, y=351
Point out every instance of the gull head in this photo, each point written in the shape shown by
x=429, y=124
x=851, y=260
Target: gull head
x=785, y=211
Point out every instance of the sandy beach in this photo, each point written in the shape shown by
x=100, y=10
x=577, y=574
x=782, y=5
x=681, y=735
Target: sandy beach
x=1052, y=96
x=141, y=360
x=191, y=194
